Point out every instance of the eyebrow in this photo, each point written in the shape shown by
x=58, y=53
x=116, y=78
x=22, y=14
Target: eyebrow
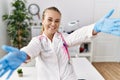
x=52, y=18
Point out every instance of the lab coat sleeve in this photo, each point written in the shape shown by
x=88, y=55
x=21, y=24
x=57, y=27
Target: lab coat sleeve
x=80, y=35
x=33, y=49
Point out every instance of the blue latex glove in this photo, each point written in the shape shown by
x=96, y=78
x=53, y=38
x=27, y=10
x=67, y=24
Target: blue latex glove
x=108, y=25
x=12, y=60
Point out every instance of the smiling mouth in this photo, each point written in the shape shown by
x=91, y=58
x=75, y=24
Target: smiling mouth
x=52, y=28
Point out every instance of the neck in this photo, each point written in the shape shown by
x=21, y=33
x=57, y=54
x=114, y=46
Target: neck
x=50, y=36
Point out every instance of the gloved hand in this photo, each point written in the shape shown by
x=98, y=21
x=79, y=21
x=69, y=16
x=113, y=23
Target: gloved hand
x=108, y=25
x=12, y=60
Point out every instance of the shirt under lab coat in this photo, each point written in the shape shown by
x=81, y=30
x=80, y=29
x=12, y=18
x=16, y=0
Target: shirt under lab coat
x=51, y=61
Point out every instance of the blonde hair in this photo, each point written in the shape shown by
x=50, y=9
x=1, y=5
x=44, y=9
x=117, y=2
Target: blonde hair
x=43, y=15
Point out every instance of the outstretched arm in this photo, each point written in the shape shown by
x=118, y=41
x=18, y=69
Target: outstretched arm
x=108, y=25
x=16, y=57
x=12, y=60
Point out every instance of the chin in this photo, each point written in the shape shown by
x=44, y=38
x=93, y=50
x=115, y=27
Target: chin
x=53, y=32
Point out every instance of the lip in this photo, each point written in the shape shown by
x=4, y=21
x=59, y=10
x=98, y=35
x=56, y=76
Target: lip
x=52, y=28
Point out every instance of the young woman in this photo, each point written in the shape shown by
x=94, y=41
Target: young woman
x=50, y=47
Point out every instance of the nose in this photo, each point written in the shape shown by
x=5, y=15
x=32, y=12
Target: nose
x=53, y=23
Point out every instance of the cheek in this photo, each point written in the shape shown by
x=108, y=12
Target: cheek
x=46, y=27
x=58, y=25
x=45, y=23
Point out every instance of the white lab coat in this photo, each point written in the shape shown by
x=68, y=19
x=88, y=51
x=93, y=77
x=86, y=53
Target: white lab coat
x=51, y=61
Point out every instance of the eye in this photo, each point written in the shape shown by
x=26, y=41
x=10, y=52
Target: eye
x=57, y=21
x=50, y=20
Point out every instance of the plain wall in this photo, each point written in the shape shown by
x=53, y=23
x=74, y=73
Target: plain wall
x=3, y=34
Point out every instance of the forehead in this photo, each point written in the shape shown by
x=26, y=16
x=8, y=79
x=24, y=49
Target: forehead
x=52, y=14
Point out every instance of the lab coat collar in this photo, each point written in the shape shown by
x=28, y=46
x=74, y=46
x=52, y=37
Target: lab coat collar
x=56, y=35
x=55, y=42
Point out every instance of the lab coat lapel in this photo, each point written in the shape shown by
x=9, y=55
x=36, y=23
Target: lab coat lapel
x=56, y=42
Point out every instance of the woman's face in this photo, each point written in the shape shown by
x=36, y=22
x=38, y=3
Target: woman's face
x=51, y=21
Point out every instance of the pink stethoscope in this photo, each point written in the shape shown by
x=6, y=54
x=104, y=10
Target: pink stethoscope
x=64, y=45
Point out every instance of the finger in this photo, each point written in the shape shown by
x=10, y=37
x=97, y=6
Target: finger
x=3, y=71
x=116, y=33
x=117, y=20
x=2, y=65
x=109, y=14
x=9, y=48
x=115, y=29
x=117, y=25
x=9, y=74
